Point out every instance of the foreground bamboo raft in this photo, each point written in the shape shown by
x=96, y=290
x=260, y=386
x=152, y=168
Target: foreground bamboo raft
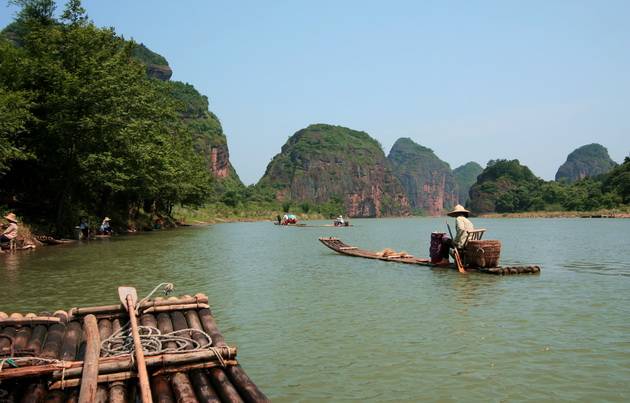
x=340, y=247
x=66, y=356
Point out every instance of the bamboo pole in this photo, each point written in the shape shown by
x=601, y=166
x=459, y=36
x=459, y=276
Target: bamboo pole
x=72, y=383
x=22, y=336
x=218, y=378
x=72, y=396
x=145, y=388
x=55, y=396
x=117, y=392
x=198, y=299
x=35, y=392
x=245, y=386
x=104, y=328
x=182, y=388
x=171, y=308
x=54, y=338
x=210, y=327
x=25, y=321
x=102, y=394
x=90, y=364
x=37, y=339
x=71, y=341
x=160, y=385
x=194, y=366
x=161, y=388
x=203, y=387
x=148, y=320
x=7, y=335
x=223, y=386
x=110, y=365
x=121, y=363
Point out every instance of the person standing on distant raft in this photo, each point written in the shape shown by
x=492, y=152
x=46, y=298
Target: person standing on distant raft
x=462, y=227
x=12, y=229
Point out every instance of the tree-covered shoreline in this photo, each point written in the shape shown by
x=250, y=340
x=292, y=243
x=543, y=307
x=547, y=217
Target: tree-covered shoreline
x=506, y=186
x=85, y=132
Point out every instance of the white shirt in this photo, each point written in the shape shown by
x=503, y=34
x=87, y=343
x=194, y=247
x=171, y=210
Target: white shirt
x=463, y=226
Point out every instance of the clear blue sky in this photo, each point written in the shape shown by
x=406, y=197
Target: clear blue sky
x=473, y=80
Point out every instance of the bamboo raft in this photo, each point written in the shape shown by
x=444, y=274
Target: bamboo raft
x=340, y=247
x=61, y=357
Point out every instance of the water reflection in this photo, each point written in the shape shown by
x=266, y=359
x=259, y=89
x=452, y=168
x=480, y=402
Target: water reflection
x=11, y=263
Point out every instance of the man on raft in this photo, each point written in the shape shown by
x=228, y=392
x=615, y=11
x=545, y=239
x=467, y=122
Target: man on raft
x=462, y=227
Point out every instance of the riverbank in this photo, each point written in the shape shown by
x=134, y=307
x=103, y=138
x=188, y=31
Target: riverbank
x=619, y=213
x=220, y=213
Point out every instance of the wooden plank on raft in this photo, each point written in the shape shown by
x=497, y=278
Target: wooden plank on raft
x=38, y=320
x=120, y=308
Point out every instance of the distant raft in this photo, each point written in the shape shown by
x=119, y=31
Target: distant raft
x=389, y=255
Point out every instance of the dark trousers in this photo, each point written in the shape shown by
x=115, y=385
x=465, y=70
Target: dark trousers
x=447, y=245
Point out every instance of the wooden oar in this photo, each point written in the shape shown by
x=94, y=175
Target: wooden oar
x=458, y=259
x=129, y=297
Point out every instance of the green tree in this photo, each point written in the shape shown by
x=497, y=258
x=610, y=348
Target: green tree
x=104, y=136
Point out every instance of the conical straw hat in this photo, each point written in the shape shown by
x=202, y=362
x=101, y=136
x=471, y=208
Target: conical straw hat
x=11, y=217
x=458, y=209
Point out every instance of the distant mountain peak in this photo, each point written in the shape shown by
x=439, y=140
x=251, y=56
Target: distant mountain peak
x=324, y=162
x=427, y=180
x=586, y=161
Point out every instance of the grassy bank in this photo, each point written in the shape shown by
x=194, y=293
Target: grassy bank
x=623, y=212
x=219, y=212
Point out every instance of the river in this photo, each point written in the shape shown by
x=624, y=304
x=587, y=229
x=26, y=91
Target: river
x=312, y=325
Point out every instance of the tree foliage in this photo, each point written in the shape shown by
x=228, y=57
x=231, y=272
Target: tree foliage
x=506, y=187
x=102, y=136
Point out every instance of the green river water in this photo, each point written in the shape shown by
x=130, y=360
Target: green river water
x=312, y=325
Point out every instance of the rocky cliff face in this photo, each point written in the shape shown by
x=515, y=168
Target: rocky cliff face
x=427, y=180
x=587, y=161
x=157, y=65
x=465, y=177
x=323, y=162
x=210, y=141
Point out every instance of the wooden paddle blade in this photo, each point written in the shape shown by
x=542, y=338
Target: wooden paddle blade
x=124, y=291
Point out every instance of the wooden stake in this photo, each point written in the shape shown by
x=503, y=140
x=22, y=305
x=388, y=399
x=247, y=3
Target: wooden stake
x=90, y=364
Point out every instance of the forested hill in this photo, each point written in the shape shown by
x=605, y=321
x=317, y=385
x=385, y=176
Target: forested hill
x=324, y=163
x=466, y=176
x=84, y=131
x=586, y=161
x=506, y=186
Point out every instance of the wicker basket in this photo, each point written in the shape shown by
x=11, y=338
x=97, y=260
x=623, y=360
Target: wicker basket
x=482, y=254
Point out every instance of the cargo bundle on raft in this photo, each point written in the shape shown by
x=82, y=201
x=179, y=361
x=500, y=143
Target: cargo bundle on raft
x=479, y=256
x=87, y=355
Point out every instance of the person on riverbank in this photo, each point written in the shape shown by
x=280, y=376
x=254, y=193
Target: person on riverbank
x=85, y=229
x=462, y=227
x=11, y=230
x=105, y=228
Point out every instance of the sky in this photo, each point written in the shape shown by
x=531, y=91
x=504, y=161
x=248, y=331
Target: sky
x=472, y=80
